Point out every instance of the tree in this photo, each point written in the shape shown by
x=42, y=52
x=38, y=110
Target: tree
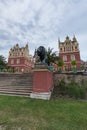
x=3, y=62
x=60, y=64
x=73, y=62
x=51, y=56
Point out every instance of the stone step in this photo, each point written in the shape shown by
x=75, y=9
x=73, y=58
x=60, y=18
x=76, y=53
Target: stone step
x=16, y=78
x=15, y=93
x=16, y=84
x=19, y=82
x=15, y=90
x=21, y=87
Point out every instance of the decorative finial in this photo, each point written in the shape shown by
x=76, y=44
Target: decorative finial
x=67, y=37
x=74, y=39
x=58, y=40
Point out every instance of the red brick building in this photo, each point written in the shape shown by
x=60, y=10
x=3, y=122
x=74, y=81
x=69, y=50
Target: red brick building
x=68, y=51
x=19, y=59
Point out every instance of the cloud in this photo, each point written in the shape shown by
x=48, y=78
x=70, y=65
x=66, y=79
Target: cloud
x=41, y=22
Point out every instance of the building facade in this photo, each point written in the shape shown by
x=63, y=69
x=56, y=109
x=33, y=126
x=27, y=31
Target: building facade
x=69, y=51
x=19, y=59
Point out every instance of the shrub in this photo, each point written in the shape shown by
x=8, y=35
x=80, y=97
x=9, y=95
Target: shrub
x=60, y=70
x=77, y=91
x=10, y=70
x=72, y=90
x=4, y=70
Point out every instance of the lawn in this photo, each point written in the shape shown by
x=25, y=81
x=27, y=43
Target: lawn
x=23, y=113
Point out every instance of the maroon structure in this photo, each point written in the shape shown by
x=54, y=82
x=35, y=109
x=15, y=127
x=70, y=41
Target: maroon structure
x=19, y=59
x=69, y=51
x=42, y=83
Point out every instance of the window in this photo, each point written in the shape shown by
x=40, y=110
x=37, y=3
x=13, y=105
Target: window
x=76, y=48
x=18, y=61
x=22, y=54
x=64, y=58
x=25, y=62
x=60, y=49
x=72, y=57
x=68, y=48
x=12, y=61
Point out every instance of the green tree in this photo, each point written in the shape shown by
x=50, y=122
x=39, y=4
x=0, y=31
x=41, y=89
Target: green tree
x=73, y=62
x=60, y=64
x=51, y=56
x=3, y=62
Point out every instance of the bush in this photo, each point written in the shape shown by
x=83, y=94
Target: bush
x=72, y=90
x=60, y=70
x=4, y=70
x=76, y=91
x=10, y=70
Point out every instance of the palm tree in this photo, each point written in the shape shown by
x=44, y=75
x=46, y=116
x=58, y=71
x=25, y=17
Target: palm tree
x=51, y=56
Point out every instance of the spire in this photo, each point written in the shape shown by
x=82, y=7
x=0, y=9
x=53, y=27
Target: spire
x=27, y=45
x=74, y=39
x=67, y=37
x=58, y=40
x=67, y=40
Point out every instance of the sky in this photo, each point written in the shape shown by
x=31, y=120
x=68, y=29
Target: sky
x=41, y=23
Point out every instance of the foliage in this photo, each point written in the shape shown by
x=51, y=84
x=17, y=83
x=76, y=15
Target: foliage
x=3, y=62
x=4, y=70
x=51, y=56
x=60, y=63
x=66, y=69
x=76, y=91
x=73, y=62
x=82, y=67
x=10, y=70
x=60, y=70
x=23, y=113
x=72, y=89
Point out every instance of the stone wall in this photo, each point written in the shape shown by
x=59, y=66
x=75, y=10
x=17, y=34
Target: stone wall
x=68, y=77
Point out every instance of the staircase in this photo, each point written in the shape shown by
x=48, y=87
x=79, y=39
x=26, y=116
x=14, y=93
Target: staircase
x=16, y=84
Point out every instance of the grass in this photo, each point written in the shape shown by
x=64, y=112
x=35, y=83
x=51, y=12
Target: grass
x=22, y=113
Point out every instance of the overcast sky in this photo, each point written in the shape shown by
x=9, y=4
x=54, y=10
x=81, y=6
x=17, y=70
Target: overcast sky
x=41, y=22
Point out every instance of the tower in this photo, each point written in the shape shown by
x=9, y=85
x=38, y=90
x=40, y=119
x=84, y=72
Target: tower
x=69, y=51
